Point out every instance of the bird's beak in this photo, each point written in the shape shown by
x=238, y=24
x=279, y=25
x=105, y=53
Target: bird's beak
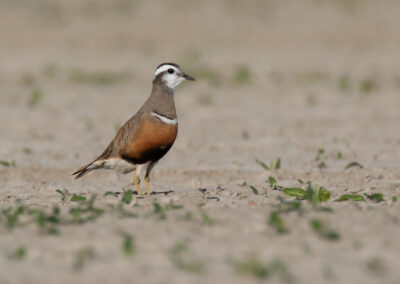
x=187, y=77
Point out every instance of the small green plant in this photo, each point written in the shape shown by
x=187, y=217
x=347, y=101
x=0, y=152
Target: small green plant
x=272, y=181
x=12, y=214
x=207, y=219
x=272, y=166
x=162, y=210
x=277, y=222
x=322, y=230
x=115, y=194
x=375, y=197
x=50, y=71
x=27, y=150
x=63, y=194
x=18, y=254
x=344, y=83
x=183, y=258
x=47, y=222
x=36, y=97
x=127, y=196
x=314, y=195
x=353, y=164
x=105, y=78
x=76, y=197
x=7, y=163
x=82, y=257
x=242, y=75
x=394, y=198
x=128, y=247
x=368, y=85
x=254, y=189
x=85, y=211
x=253, y=266
x=353, y=197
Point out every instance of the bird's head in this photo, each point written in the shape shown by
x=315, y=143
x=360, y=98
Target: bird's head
x=171, y=75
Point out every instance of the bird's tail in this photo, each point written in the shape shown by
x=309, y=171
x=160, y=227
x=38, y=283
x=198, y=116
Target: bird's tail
x=87, y=168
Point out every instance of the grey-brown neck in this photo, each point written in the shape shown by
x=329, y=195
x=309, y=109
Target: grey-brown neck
x=161, y=99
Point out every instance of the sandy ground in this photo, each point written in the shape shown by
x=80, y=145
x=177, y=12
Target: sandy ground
x=276, y=79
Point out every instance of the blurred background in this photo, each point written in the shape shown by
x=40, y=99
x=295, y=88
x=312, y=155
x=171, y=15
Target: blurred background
x=69, y=70
x=306, y=81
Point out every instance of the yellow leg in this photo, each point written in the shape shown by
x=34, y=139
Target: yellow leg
x=147, y=182
x=137, y=180
x=137, y=183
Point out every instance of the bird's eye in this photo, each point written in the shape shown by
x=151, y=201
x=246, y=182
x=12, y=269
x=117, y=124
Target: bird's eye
x=171, y=71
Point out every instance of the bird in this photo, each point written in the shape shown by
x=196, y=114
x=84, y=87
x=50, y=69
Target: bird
x=148, y=135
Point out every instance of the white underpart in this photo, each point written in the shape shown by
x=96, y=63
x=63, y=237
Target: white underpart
x=117, y=164
x=171, y=80
x=164, y=119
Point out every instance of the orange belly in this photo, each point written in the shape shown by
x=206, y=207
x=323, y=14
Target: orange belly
x=151, y=141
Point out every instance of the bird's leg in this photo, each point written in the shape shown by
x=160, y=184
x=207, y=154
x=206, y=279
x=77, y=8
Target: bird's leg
x=147, y=176
x=136, y=180
x=147, y=182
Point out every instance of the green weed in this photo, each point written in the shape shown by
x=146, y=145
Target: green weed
x=128, y=247
x=322, y=230
x=18, y=254
x=5, y=163
x=82, y=257
x=277, y=222
x=242, y=75
x=272, y=166
x=375, y=197
x=353, y=197
x=105, y=78
x=36, y=96
x=183, y=258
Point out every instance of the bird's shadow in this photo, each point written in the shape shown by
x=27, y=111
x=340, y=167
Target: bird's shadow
x=151, y=193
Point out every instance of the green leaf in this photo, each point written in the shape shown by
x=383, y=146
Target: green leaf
x=5, y=163
x=18, y=254
x=278, y=164
x=375, y=197
x=277, y=223
x=322, y=165
x=394, y=198
x=262, y=164
x=207, y=219
x=255, y=190
x=295, y=191
x=127, y=245
x=62, y=194
x=354, y=197
x=127, y=196
x=323, y=231
x=76, y=197
x=353, y=164
x=324, y=195
x=272, y=181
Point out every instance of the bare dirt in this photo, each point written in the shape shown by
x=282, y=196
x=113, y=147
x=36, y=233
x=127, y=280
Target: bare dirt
x=275, y=79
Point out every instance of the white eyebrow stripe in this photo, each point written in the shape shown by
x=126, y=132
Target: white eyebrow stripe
x=164, y=68
x=164, y=119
